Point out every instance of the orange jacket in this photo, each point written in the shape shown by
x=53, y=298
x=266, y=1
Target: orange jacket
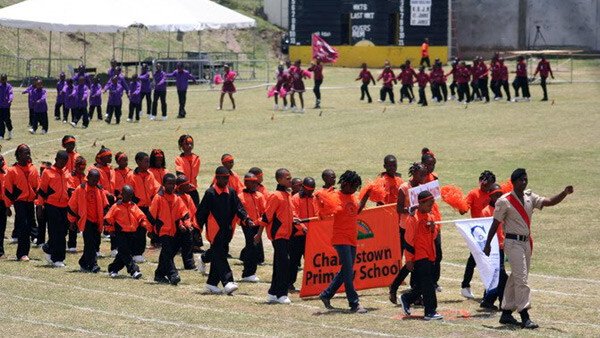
x=234, y=182
x=75, y=181
x=304, y=207
x=279, y=215
x=391, y=185
x=3, y=171
x=21, y=184
x=168, y=213
x=107, y=177
x=477, y=200
x=120, y=179
x=189, y=166
x=345, y=221
x=78, y=205
x=125, y=217
x=158, y=173
x=144, y=187
x=71, y=162
x=404, y=216
x=425, y=49
x=419, y=238
x=54, y=187
x=254, y=203
x=191, y=206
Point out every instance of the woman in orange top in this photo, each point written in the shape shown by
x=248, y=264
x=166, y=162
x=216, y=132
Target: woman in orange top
x=158, y=164
x=20, y=189
x=121, y=172
x=344, y=240
x=69, y=143
x=76, y=178
x=188, y=164
x=4, y=211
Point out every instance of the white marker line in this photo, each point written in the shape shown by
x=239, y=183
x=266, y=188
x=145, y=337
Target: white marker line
x=22, y=320
x=139, y=318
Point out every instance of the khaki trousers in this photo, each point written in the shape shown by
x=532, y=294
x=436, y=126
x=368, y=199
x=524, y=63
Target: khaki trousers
x=517, y=294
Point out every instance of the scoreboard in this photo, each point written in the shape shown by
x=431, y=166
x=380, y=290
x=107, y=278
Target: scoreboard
x=378, y=22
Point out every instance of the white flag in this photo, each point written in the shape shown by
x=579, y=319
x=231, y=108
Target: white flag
x=475, y=232
x=433, y=187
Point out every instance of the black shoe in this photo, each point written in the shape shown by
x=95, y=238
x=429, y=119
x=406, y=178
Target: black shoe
x=95, y=269
x=529, y=324
x=488, y=306
x=393, y=297
x=161, y=280
x=508, y=319
x=190, y=267
x=174, y=280
x=180, y=116
x=544, y=99
x=326, y=302
x=405, y=305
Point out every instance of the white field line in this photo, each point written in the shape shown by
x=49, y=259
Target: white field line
x=22, y=320
x=139, y=318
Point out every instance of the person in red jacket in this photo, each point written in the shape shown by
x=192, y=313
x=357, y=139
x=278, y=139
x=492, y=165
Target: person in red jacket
x=183, y=236
x=53, y=190
x=521, y=81
x=305, y=207
x=544, y=69
x=390, y=179
x=104, y=158
x=76, y=178
x=474, y=72
x=69, y=143
x=453, y=84
x=366, y=77
x=121, y=172
x=87, y=206
x=482, y=79
x=495, y=78
x=438, y=82
x=158, y=166
x=123, y=219
x=420, y=235
x=255, y=204
x=406, y=77
x=317, y=68
x=344, y=240
x=4, y=211
x=503, y=78
x=389, y=79
x=462, y=75
x=20, y=189
x=278, y=220
x=422, y=80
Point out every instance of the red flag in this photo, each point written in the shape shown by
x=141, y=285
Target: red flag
x=321, y=50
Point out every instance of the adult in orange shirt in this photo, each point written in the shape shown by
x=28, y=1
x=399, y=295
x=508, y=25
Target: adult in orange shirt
x=76, y=178
x=20, y=189
x=477, y=199
x=421, y=235
x=121, y=172
x=278, y=219
x=53, y=190
x=425, y=53
x=123, y=219
x=4, y=211
x=344, y=240
x=417, y=173
x=255, y=204
x=391, y=180
x=104, y=158
x=86, y=211
x=188, y=164
x=145, y=187
x=158, y=164
x=183, y=236
x=305, y=207
x=69, y=143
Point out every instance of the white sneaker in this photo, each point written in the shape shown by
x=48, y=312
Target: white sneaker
x=113, y=274
x=136, y=275
x=251, y=279
x=10, y=135
x=128, y=120
x=466, y=292
x=99, y=255
x=301, y=111
x=230, y=288
x=452, y=97
x=73, y=124
x=213, y=289
x=433, y=316
x=72, y=250
x=438, y=289
x=284, y=300
x=44, y=132
x=113, y=253
x=59, y=264
x=139, y=259
x=152, y=117
x=1, y=138
x=271, y=298
x=48, y=258
x=285, y=108
x=275, y=107
x=526, y=99
x=31, y=131
x=201, y=266
x=14, y=240
x=164, y=118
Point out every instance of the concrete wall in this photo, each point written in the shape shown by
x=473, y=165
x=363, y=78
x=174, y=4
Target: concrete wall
x=277, y=12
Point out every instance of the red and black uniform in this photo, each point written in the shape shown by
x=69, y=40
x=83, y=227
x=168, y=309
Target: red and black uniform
x=453, y=84
x=462, y=75
x=304, y=207
x=389, y=78
x=54, y=191
x=255, y=204
x=123, y=219
x=183, y=236
x=544, y=69
x=503, y=79
x=75, y=180
x=145, y=188
x=366, y=77
x=474, y=72
x=406, y=77
x=482, y=80
x=317, y=70
x=422, y=80
x=495, y=78
x=521, y=81
x=438, y=83
x=189, y=165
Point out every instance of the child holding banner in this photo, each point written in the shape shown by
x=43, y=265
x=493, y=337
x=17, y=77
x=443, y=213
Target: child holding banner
x=429, y=161
x=344, y=240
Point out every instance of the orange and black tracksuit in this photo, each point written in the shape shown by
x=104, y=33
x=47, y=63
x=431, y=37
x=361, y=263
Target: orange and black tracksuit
x=123, y=219
x=70, y=166
x=304, y=207
x=107, y=180
x=235, y=182
x=86, y=208
x=183, y=236
x=75, y=180
x=278, y=219
x=255, y=204
x=218, y=210
x=120, y=180
x=54, y=191
x=20, y=189
x=421, y=250
x=168, y=213
x=144, y=187
x=3, y=217
x=189, y=165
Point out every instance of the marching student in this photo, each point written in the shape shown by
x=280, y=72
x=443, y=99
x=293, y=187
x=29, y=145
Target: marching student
x=218, y=209
x=278, y=219
x=296, y=185
x=28, y=91
x=425, y=54
x=53, y=190
x=121, y=172
x=146, y=88
x=183, y=236
x=122, y=220
x=82, y=92
x=115, y=100
x=228, y=86
x=135, y=99
x=521, y=81
x=188, y=164
x=158, y=166
x=305, y=207
x=422, y=80
x=438, y=82
x=69, y=143
x=4, y=211
x=282, y=78
x=60, y=96
x=145, y=186
x=503, y=78
x=38, y=233
x=234, y=179
x=495, y=79
x=474, y=73
x=40, y=108
x=160, y=92
x=20, y=189
x=168, y=213
x=421, y=236
x=462, y=75
x=317, y=68
x=70, y=100
x=254, y=203
x=96, y=98
x=543, y=68
x=76, y=178
x=391, y=179
x=297, y=76
x=328, y=177
x=429, y=161
x=453, y=84
x=482, y=79
x=389, y=79
x=6, y=99
x=182, y=77
x=344, y=240
x=87, y=206
x=107, y=174
x=366, y=77
x=263, y=190
x=406, y=77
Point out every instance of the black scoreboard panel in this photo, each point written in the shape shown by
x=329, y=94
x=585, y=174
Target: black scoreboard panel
x=383, y=22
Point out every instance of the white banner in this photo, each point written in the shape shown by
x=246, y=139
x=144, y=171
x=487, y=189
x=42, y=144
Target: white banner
x=433, y=187
x=475, y=232
x=420, y=12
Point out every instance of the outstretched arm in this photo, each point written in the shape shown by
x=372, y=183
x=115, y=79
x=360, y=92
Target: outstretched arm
x=554, y=200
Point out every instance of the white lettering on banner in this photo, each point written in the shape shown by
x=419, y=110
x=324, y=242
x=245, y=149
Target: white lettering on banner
x=360, y=31
x=420, y=12
x=360, y=7
x=401, y=24
x=292, y=30
x=361, y=26
x=475, y=232
x=433, y=187
x=324, y=34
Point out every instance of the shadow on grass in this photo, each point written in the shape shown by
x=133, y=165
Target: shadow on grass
x=340, y=311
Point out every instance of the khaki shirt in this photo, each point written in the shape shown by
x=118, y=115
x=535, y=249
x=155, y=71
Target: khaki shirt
x=507, y=214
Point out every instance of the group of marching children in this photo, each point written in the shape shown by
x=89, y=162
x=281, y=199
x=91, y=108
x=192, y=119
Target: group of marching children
x=470, y=82
x=290, y=80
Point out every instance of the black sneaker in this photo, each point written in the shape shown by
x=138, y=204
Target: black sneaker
x=358, y=309
x=488, y=306
x=508, y=319
x=174, y=280
x=95, y=269
x=529, y=324
x=405, y=305
x=161, y=280
x=326, y=302
x=393, y=297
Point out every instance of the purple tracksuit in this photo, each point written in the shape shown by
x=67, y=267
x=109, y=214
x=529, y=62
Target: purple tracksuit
x=6, y=95
x=115, y=101
x=160, y=81
x=96, y=95
x=135, y=90
x=60, y=97
x=70, y=98
x=181, y=79
x=40, y=109
x=144, y=78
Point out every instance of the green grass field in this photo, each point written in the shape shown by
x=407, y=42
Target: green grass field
x=557, y=141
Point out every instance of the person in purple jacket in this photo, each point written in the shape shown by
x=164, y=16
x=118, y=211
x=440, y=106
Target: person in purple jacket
x=121, y=78
x=112, y=70
x=60, y=97
x=28, y=91
x=82, y=74
x=160, y=92
x=146, y=88
x=82, y=93
x=6, y=99
x=182, y=77
x=70, y=100
x=96, y=98
x=135, y=98
x=115, y=100
x=40, y=108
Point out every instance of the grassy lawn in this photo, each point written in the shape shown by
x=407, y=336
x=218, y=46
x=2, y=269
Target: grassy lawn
x=557, y=141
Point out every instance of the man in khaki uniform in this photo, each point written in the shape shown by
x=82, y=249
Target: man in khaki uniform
x=515, y=210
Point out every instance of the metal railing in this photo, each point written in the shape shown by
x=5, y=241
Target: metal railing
x=205, y=70
x=14, y=67
x=49, y=68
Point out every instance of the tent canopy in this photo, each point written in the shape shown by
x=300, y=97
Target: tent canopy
x=110, y=16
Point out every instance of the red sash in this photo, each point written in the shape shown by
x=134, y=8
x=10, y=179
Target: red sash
x=521, y=210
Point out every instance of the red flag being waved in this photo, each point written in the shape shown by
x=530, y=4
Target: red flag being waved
x=321, y=50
